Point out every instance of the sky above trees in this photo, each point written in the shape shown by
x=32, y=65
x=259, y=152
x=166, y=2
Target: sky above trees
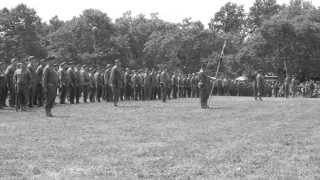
x=169, y=10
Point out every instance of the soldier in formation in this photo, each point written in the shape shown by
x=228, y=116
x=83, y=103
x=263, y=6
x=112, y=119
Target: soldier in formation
x=30, y=82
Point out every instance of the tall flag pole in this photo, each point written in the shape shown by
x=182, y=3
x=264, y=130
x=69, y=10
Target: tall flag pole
x=218, y=67
x=220, y=58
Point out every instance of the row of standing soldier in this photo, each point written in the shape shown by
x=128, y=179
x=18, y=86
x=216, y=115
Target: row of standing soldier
x=29, y=85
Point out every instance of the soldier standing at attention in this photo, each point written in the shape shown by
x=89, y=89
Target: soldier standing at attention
x=77, y=83
x=147, y=85
x=2, y=86
x=174, y=84
x=164, y=82
x=84, y=82
x=115, y=81
x=286, y=84
x=106, y=77
x=127, y=84
x=33, y=83
x=71, y=84
x=260, y=84
x=98, y=84
x=204, y=87
x=21, y=79
x=10, y=84
x=63, y=83
x=50, y=84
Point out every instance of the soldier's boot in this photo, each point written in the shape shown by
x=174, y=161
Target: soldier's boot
x=48, y=113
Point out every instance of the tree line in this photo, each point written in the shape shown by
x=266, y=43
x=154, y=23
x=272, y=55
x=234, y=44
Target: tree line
x=270, y=36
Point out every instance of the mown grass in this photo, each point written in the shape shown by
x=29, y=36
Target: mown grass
x=237, y=139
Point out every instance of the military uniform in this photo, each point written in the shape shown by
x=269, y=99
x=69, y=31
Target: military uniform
x=71, y=84
x=286, y=86
x=92, y=87
x=22, y=81
x=2, y=88
x=174, y=84
x=10, y=84
x=115, y=83
x=147, y=86
x=99, y=85
x=77, y=85
x=127, y=85
x=84, y=83
x=260, y=85
x=204, y=87
x=33, y=85
x=63, y=85
x=50, y=84
x=39, y=89
x=135, y=80
x=164, y=82
x=108, y=90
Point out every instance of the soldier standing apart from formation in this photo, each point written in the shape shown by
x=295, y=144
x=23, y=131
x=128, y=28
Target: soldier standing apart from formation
x=50, y=84
x=164, y=82
x=260, y=85
x=115, y=82
x=204, y=87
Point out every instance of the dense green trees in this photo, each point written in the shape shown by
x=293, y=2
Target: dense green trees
x=268, y=36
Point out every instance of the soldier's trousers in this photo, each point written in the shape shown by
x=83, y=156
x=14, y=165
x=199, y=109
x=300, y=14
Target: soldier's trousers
x=77, y=93
x=116, y=94
x=147, y=92
x=63, y=94
x=163, y=92
x=39, y=94
x=154, y=93
x=50, y=96
x=98, y=93
x=32, y=95
x=204, y=96
x=92, y=93
x=21, y=96
x=2, y=95
x=127, y=92
x=12, y=96
x=122, y=93
x=136, y=93
x=193, y=92
x=174, y=91
x=84, y=89
x=71, y=94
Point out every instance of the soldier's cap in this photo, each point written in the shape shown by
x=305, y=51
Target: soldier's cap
x=51, y=58
x=30, y=58
x=108, y=65
x=116, y=60
x=42, y=60
x=13, y=60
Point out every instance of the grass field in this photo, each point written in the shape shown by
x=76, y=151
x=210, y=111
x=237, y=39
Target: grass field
x=237, y=139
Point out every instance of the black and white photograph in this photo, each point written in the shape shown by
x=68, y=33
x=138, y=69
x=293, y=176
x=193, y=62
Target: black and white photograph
x=159, y=89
